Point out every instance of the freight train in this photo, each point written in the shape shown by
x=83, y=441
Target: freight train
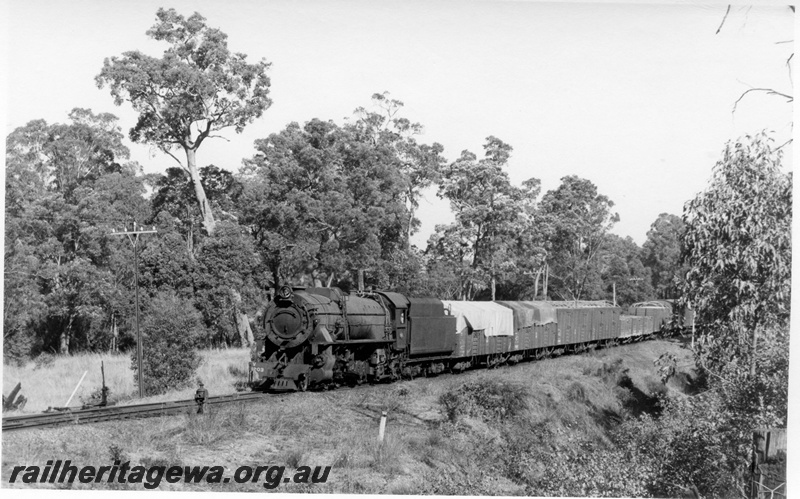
x=319, y=337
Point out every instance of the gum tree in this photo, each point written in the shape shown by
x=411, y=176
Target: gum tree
x=419, y=164
x=576, y=218
x=489, y=215
x=198, y=87
x=738, y=248
x=66, y=184
x=662, y=253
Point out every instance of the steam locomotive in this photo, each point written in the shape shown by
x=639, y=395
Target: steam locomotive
x=323, y=337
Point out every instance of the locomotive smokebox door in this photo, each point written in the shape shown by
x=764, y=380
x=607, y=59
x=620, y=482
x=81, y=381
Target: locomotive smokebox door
x=287, y=322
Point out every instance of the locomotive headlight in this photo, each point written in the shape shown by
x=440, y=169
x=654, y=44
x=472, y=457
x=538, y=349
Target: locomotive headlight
x=284, y=294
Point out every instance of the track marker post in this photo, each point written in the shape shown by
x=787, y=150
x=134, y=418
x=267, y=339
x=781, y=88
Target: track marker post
x=382, y=429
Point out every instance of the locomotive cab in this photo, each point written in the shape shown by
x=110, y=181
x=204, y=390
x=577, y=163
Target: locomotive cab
x=397, y=306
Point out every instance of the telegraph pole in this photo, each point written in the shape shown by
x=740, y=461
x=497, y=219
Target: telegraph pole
x=133, y=237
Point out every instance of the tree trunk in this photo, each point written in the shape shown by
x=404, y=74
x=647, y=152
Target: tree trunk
x=63, y=346
x=190, y=235
x=546, y=279
x=205, y=207
x=243, y=327
x=753, y=354
x=408, y=229
x=494, y=286
x=276, y=278
x=241, y=320
x=114, y=334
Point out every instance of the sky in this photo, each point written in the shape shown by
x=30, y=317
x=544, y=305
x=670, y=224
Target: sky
x=637, y=98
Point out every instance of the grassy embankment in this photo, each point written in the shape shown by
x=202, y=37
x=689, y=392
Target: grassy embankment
x=483, y=432
x=50, y=383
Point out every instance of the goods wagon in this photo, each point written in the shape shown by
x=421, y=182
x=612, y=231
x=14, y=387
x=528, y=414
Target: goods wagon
x=482, y=328
x=659, y=310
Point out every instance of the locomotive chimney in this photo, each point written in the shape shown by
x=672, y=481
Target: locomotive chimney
x=361, y=280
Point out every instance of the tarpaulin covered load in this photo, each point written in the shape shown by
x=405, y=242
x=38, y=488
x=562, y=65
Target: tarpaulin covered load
x=489, y=317
x=530, y=313
x=650, y=308
x=580, y=303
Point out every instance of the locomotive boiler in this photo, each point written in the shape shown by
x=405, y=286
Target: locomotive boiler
x=319, y=336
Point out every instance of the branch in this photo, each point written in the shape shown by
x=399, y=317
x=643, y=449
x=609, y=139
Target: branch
x=785, y=143
x=769, y=91
x=226, y=139
x=167, y=151
x=723, y=19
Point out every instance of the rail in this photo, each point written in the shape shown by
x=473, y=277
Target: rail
x=118, y=412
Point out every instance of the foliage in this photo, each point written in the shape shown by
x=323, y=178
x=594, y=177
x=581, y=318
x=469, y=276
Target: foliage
x=486, y=398
x=661, y=252
x=704, y=441
x=171, y=329
x=220, y=280
x=622, y=266
x=738, y=248
x=174, y=201
x=224, y=281
x=489, y=216
x=419, y=164
x=323, y=201
x=196, y=89
x=576, y=219
x=579, y=467
x=65, y=189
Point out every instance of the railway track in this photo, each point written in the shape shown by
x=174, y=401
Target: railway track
x=113, y=413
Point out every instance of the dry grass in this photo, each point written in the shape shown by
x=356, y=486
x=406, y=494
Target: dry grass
x=51, y=385
x=423, y=452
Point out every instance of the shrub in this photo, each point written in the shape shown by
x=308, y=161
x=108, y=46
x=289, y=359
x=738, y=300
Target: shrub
x=117, y=453
x=96, y=397
x=385, y=456
x=44, y=360
x=215, y=425
x=293, y=458
x=576, y=392
x=237, y=372
x=452, y=403
x=486, y=398
x=614, y=373
x=170, y=330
